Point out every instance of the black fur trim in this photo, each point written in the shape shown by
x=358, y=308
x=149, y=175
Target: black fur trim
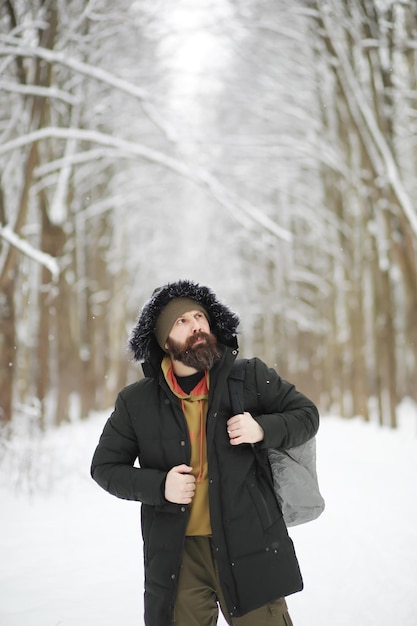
x=223, y=322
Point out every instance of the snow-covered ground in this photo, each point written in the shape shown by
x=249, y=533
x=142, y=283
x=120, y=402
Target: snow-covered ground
x=70, y=554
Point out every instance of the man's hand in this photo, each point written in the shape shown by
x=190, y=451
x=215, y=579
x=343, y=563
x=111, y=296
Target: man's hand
x=243, y=428
x=180, y=485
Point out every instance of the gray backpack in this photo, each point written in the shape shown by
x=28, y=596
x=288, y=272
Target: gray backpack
x=293, y=471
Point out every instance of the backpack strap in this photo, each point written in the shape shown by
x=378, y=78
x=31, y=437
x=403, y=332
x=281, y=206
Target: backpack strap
x=236, y=382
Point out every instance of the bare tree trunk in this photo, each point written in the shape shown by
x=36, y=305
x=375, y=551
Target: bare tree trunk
x=68, y=366
x=384, y=339
x=7, y=350
x=7, y=338
x=52, y=241
x=405, y=253
x=358, y=365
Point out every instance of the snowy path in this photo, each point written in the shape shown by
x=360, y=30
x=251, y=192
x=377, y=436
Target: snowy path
x=71, y=556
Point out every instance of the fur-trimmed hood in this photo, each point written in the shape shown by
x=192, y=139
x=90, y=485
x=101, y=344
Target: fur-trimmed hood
x=223, y=322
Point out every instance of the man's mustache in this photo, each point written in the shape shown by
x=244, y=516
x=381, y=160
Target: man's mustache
x=197, y=337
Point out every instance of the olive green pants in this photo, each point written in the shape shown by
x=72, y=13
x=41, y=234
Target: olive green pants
x=199, y=593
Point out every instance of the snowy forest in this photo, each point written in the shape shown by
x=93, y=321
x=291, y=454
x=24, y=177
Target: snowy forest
x=266, y=148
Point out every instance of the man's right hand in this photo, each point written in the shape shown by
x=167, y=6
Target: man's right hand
x=180, y=485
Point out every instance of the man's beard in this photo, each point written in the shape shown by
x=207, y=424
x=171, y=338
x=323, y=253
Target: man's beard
x=201, y=356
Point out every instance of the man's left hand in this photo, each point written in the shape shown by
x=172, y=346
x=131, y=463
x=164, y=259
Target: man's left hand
x=243, y=428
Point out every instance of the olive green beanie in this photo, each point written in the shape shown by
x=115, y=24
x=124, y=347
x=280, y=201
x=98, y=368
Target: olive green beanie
x=171, y=312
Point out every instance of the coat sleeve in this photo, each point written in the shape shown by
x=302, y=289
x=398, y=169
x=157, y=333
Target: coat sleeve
x=113, y=462
x=288, y=417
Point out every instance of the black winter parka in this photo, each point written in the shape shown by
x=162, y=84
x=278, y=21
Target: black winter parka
x=255, y=555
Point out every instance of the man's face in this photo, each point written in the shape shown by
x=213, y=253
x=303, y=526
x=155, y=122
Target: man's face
x=187, y=325
x=191, y=342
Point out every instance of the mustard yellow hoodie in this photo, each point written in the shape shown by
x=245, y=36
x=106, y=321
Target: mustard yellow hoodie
x=194, y=406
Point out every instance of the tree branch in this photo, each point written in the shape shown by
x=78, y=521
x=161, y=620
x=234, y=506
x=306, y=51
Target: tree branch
x=14, y=47
x=27, y=249
x=243, y=212
x=35, y=90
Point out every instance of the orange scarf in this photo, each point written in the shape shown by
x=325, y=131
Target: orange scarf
x=201, y=389
x=195, y=417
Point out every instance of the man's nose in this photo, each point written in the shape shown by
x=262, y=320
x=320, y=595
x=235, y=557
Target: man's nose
x=196, y=326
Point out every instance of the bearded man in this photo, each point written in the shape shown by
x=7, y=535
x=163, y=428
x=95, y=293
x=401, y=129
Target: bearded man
x=213, y=532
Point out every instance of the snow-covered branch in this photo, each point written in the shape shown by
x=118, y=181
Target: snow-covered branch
x=15, y=48
x=35, y=90
x=26, y=248
x=242, y=211
x=245, y=214
x=75, y=159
